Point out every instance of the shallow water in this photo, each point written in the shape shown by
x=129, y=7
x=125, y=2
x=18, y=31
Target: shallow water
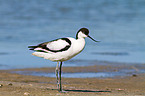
x=73, y=75
x=121, y=73
x=119, y=25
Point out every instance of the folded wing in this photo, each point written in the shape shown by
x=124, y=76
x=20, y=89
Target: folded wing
x=54, y=46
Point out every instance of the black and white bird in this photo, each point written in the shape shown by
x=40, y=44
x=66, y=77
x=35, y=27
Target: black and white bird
x=62, y=49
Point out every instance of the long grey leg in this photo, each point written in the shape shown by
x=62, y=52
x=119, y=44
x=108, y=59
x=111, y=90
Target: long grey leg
x=56, y=72
x=60, y=87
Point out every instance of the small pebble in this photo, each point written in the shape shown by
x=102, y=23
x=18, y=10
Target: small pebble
x=107, y=88
x=10, y=84
x=89, y=83
x=30, y=84
x=120, y=89
x=26, y=94
x=1, y=85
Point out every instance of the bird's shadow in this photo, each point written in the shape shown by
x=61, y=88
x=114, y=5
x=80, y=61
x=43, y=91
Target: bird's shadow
x=78, y=90
x=85, y=91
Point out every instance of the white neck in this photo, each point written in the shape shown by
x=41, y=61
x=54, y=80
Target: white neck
x=81, y=35
x=79, y=45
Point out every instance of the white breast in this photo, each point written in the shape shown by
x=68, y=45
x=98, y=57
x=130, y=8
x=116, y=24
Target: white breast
x=78, y=45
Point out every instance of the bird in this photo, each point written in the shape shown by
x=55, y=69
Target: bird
x=61, y=50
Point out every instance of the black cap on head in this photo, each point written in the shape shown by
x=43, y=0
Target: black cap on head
x=83, y=30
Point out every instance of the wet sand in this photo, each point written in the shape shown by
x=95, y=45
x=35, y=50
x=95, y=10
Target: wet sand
x=24, y=85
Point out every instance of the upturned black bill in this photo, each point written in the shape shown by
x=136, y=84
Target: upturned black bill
x=93, y=39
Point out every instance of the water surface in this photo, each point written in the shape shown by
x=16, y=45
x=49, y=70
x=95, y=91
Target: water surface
x=119, y=24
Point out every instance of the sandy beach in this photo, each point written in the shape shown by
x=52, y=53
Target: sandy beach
x=24, y=85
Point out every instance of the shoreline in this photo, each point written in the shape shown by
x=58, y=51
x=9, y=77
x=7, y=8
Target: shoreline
x=104, y=68
x=18, y=85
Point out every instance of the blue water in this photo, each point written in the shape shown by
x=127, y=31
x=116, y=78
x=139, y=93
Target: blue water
x=74, y=75
x=119, y=24
x=110, y=74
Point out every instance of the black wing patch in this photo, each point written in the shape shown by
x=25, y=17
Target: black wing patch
x=44, y=46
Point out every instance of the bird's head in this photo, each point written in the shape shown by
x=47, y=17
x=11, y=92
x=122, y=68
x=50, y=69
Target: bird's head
x=83, y=33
